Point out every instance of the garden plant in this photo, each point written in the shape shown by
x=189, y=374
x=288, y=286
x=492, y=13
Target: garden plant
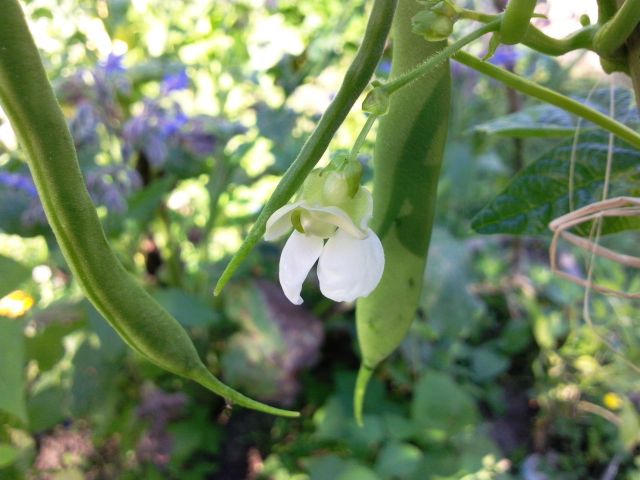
x=463, y=183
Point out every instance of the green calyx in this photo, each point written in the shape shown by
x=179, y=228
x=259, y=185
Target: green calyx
x=337, y=185
x=436, y=22
x=377, y=100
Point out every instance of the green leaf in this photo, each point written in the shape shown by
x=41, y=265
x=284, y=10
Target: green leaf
x=629, y=426
x=57, y=321
x=398, y=460
x=13, y=274
x=549, y=121
x=12, y=377
x=439, y=403
x=451, y=308
x=540, y=192
x=8, y=454
x=536, y=121
x=487, y=364
x=47, y=408
x=189, y=309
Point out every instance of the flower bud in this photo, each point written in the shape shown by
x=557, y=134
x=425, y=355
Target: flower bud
x=335, y=189
x=376, y=102
x=432, y=25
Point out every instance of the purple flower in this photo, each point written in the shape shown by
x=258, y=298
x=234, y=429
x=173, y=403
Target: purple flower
x=84, y=124
x=174, y=82
x=19, y=181
x=153, y=131
x=171, y=125
x=113, y=64
x=384, y=67
x=110, y=186
x=506, y=56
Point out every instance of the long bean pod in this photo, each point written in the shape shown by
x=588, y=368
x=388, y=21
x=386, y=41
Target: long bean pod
x=29, y=102
x=407, y=158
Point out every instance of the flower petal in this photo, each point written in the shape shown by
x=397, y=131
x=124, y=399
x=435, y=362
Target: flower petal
x=335, y=216
x=298, y=256
x=279, y=222
x=350, y=268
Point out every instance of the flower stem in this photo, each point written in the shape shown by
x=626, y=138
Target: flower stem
x=362, y=136
x=549, y=96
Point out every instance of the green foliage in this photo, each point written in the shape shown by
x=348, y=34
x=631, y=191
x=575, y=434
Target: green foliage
x=12, y=376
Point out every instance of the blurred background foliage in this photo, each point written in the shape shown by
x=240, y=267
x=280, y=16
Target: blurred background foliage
x=184, y=115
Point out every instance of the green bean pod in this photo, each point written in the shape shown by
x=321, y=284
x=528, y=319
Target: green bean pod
x=29, y=102
x=515, y=21
x=407, y=159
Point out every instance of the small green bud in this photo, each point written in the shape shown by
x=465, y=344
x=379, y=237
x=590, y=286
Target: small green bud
x=376, y=102
x=353, y=174
x=445, y=9
x=432, y=26
x=585, y=21
x=335, y=189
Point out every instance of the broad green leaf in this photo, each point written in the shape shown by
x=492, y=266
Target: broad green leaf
x=189, y=309
x=550, y=121
x=451, y=308
x=398, y=460
x=333, y=467
x=536, y=121
x=12, y=376
x=12, y=274
x=487, y=364
x=8, y=454
x=540, y=192
x=53, y=324
x=630, y=426
x=47, y=408
x=439, y=403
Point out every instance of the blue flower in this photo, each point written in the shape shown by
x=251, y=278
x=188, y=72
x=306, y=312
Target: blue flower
x=19, y=181
x=111, y=186
x=506, y=56
x=113, y=64
x=174, y=81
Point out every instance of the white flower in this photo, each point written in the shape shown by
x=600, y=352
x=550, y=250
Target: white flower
x=350, y=263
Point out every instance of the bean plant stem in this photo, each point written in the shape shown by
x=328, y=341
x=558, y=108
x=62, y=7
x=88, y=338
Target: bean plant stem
x=549, y=96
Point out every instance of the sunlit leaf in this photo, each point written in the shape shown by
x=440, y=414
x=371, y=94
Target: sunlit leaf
x=12, y=377
x=13, y=274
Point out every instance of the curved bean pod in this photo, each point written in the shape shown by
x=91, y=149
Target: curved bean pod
x=29, y=102
x=407, y=158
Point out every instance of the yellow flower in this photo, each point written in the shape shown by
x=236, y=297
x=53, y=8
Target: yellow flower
x=612, y=401
x=15, y=304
